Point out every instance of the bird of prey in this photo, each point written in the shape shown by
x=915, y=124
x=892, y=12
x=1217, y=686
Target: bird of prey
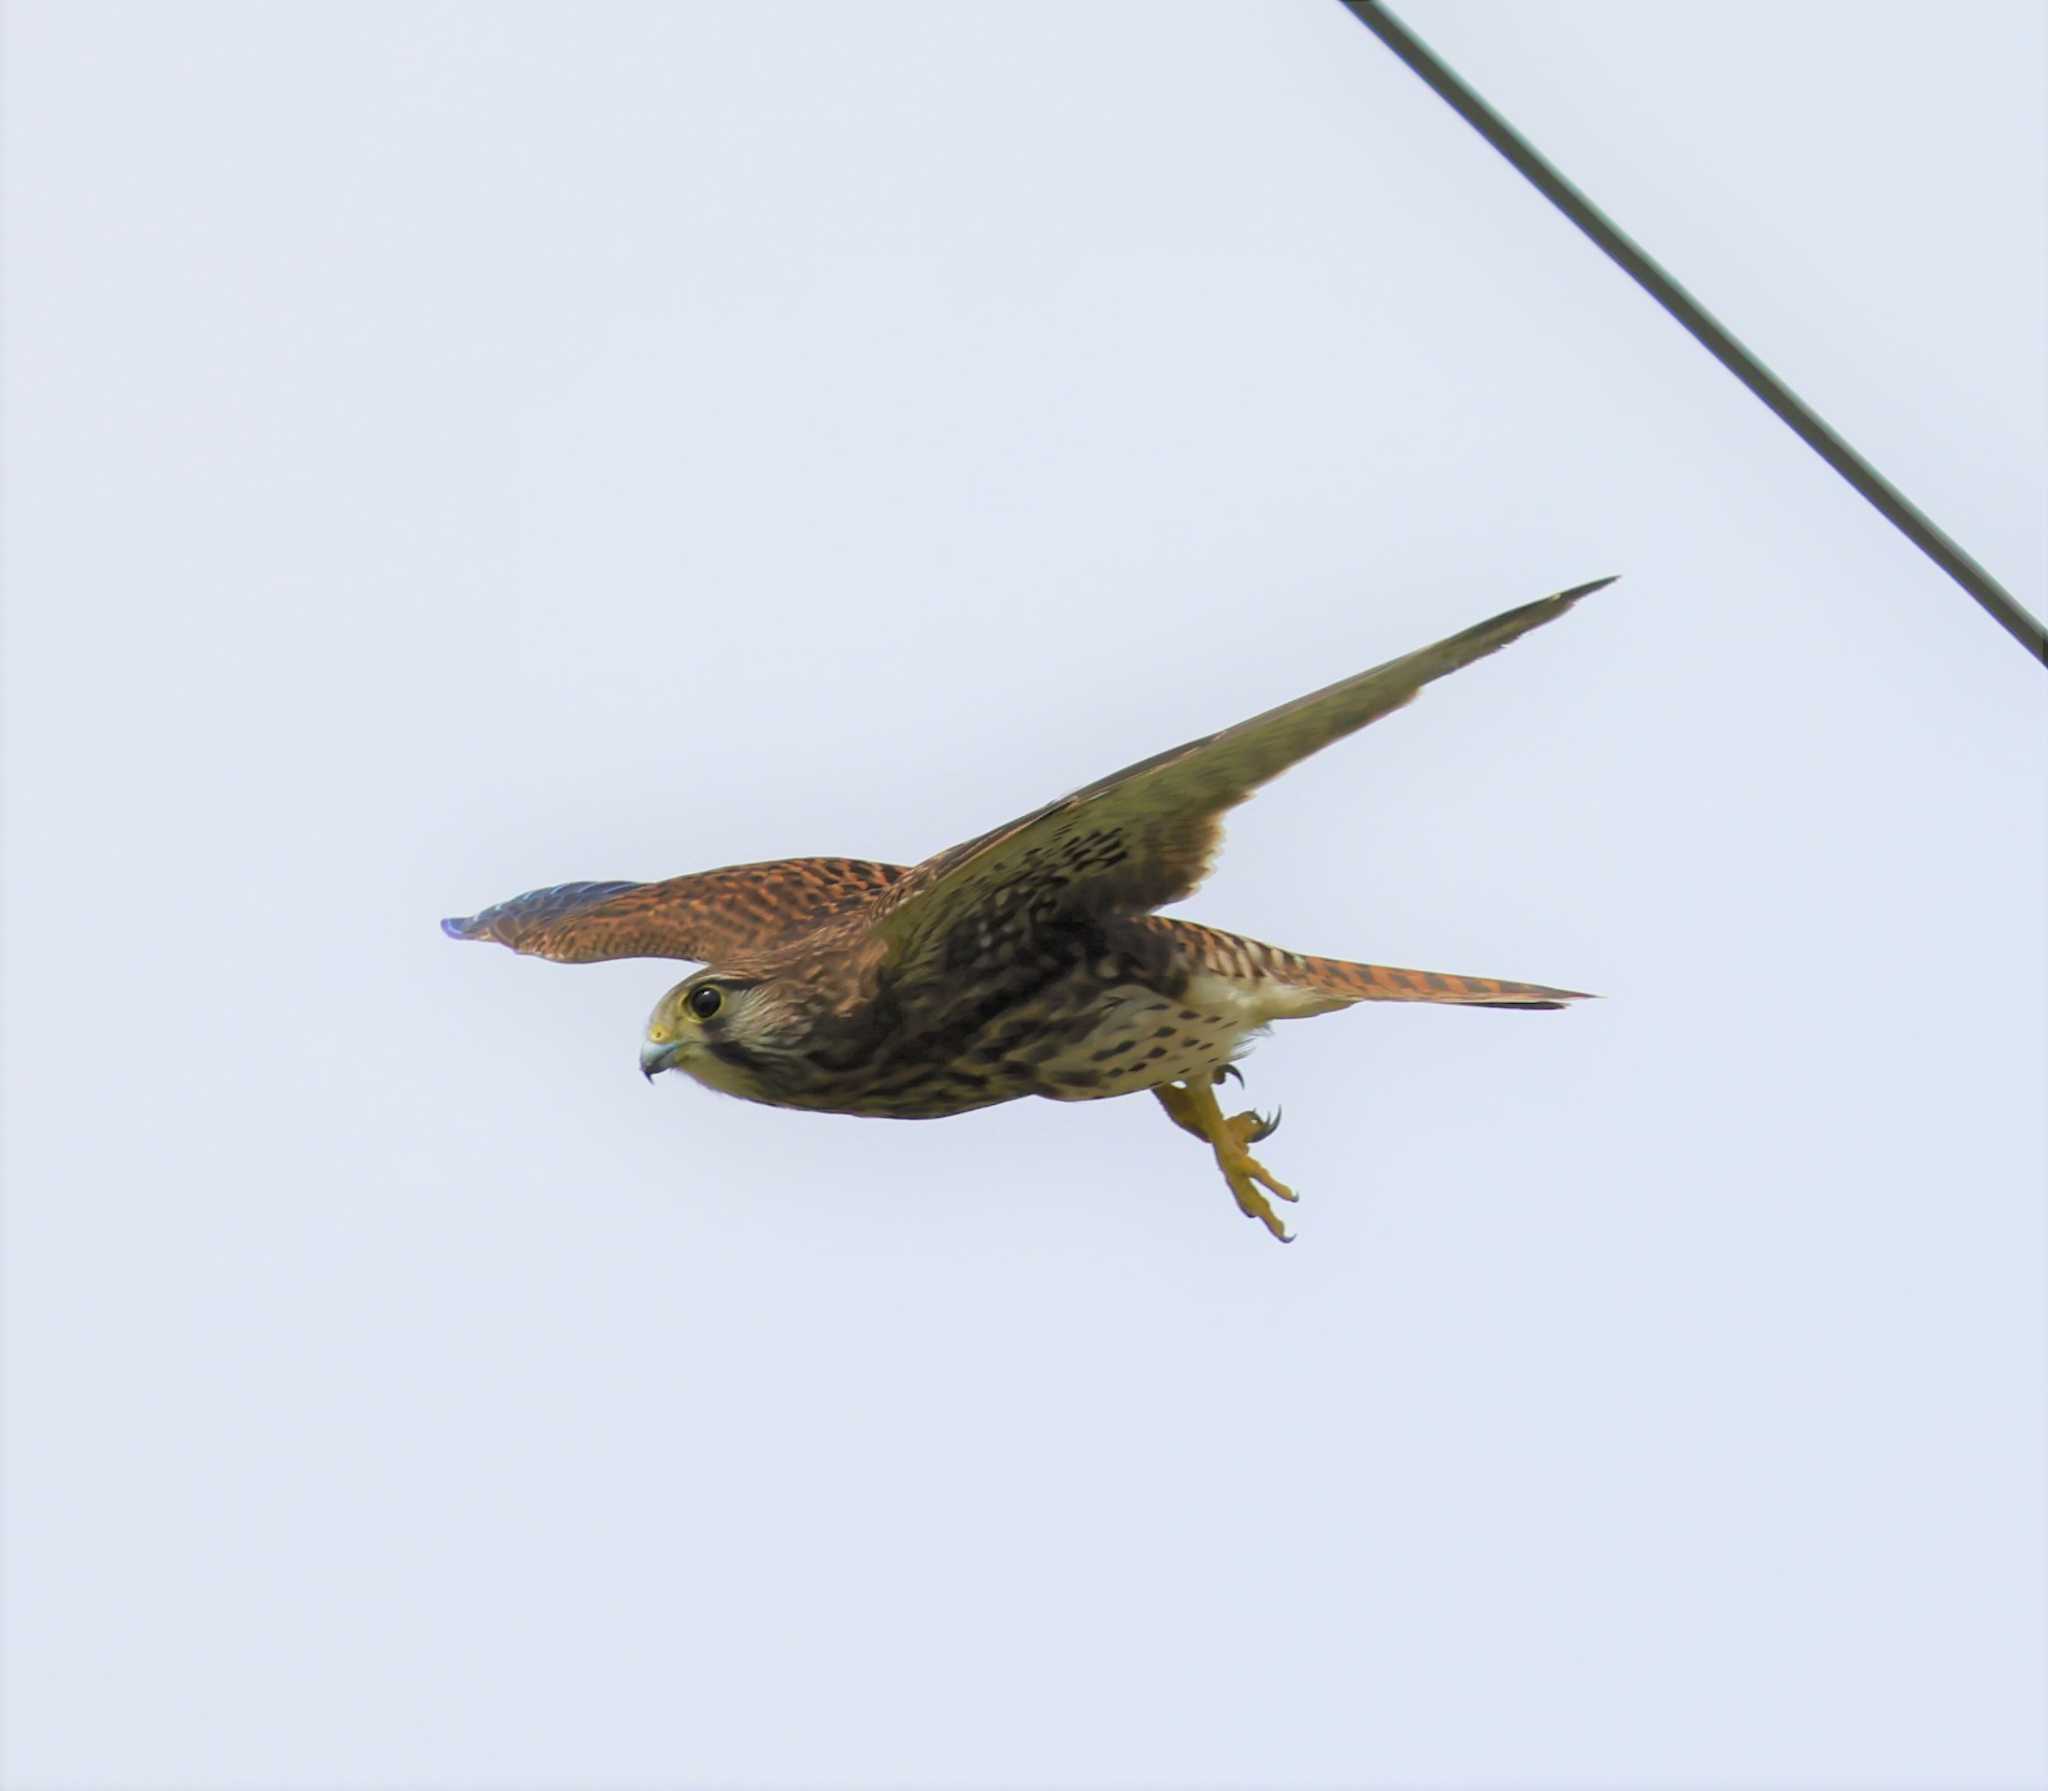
x=1029, y=961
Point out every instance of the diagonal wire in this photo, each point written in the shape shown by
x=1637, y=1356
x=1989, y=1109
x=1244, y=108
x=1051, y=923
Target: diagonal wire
x=1712, y=335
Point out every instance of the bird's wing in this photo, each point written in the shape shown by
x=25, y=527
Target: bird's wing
x=714, y=917
x=1144, y=836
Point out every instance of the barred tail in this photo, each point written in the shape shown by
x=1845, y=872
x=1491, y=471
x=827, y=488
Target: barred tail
x=1290, y=984
x=1384, y=982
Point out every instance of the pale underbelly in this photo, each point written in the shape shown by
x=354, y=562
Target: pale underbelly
x=1139, y=1039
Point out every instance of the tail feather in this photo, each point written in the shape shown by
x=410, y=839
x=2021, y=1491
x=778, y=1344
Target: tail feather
x=1386, y=982
x=1296, y=985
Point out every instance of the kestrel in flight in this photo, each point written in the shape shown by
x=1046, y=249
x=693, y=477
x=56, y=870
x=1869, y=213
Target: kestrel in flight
x=1026, y=962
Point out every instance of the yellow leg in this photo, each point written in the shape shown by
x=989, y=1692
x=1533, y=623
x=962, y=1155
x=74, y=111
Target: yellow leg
x=1195, y=1110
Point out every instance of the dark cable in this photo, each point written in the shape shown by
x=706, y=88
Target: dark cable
x=1890, y=502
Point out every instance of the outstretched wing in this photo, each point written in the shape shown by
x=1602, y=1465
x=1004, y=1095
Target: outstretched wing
x=714, y=917
x=1144, y=836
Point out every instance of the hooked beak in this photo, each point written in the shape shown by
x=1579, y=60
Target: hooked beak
x=656, y=1058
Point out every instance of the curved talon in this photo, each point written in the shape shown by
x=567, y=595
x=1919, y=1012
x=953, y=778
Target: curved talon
x=1252, y=1128
x=1231, y=1070
x=1267, y=1217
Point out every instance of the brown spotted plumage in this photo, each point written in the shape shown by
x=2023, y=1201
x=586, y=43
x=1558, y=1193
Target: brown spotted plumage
x=712, y=917
x=1025, y=962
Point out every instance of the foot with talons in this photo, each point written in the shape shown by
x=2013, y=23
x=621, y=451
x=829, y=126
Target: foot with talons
x=1195, y=1110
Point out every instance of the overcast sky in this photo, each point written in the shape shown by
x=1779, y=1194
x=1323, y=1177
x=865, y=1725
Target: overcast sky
x=457, y=448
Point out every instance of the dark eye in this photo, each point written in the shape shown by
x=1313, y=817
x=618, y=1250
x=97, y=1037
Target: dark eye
x=706, y=1000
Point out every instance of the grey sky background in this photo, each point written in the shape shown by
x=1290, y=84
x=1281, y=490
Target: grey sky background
x=457, y=448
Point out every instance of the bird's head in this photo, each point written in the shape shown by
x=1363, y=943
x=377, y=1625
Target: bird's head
x=735, y=1034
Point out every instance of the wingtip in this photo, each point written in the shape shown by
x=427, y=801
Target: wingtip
x=1586, y=590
